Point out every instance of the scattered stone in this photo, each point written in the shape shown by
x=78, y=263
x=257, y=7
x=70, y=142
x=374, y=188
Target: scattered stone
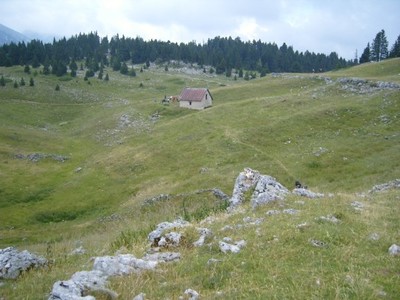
x=317, y=243
x=320, y=151
x=204, y=232
x=35, y=157
x=302, y=226
x=374, y=236
x=193, y=295
x=163, y=256
x=155, y=236
x=203, y=170
x=156, y=199
x=171, y=239
x=234, y=248
x=139, y=297
x=123, y=264
x=227, y=227
x=394, y=184
x=77, y=170
x=227, y=239
x=80, y=282
x=273, y=212
x=394, y=250
x=328, y=218
x=307, y=193
x=252, y=221
x=290, y=211
x=78, y=251
x=220, y=194
x=358, y=206
x=300, y=202
x=213, y=261
x=14, y=262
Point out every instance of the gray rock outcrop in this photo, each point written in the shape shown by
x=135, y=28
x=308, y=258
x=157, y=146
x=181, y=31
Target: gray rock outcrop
x=157, y=235
x=267, y=190
x=307, y=193
x=14, y=262
x=96, y=280
x=245, y=180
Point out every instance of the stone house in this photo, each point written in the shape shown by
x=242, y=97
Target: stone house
x=195, y=98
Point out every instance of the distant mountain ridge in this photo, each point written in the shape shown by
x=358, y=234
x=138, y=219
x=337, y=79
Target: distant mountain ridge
x=8, y=35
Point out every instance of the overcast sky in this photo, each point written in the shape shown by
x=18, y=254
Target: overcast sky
x=319, y=26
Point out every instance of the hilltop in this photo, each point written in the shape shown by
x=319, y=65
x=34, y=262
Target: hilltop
x=8, y=35
x=79, y=164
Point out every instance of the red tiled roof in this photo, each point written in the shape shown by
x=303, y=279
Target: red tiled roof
x=193, y=94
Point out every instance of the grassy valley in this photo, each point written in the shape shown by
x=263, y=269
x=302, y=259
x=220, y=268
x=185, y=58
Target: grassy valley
x=105, y=147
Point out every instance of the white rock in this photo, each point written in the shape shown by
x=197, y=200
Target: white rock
x=123, y=264
x=226, y=247
x=193, y=295
x=394, y=250
x=307, y=193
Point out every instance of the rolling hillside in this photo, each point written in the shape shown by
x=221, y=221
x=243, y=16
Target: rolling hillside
x=77, y=165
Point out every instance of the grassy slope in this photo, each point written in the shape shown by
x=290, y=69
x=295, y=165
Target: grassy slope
x=275, y=125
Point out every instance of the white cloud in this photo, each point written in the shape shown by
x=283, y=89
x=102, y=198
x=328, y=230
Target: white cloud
x=249, y=29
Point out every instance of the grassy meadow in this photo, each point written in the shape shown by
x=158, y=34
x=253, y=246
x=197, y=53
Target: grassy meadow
x=121, y=146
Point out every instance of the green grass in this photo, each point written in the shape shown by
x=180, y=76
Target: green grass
x=290, y=127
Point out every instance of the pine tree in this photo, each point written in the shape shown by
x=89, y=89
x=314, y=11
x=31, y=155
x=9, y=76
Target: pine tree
x=31, y=82
x=124, y=69
x=107, y=78
x=365, y=56
x=395, y=51
x=2, y=81
x=379, y=48
x=27, y=69
x=132, y=72
x=57, y=87
x=15, y=84
x=22, y=82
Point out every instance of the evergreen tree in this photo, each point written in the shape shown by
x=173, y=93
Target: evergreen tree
x=27, y=69
x=31, y=82
x=89, y=73
x=107, y=78
x=124, y=69
x=22, y=82
x=57, y=87
x=379, y=48
x=46, y=66
x=365, y=56
x=247, y=75
x=73, y=66
x=2, y=81
x=15, y=84
x=35, y=62
x=241, y=73
x=132, y=72
x=395, y=51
